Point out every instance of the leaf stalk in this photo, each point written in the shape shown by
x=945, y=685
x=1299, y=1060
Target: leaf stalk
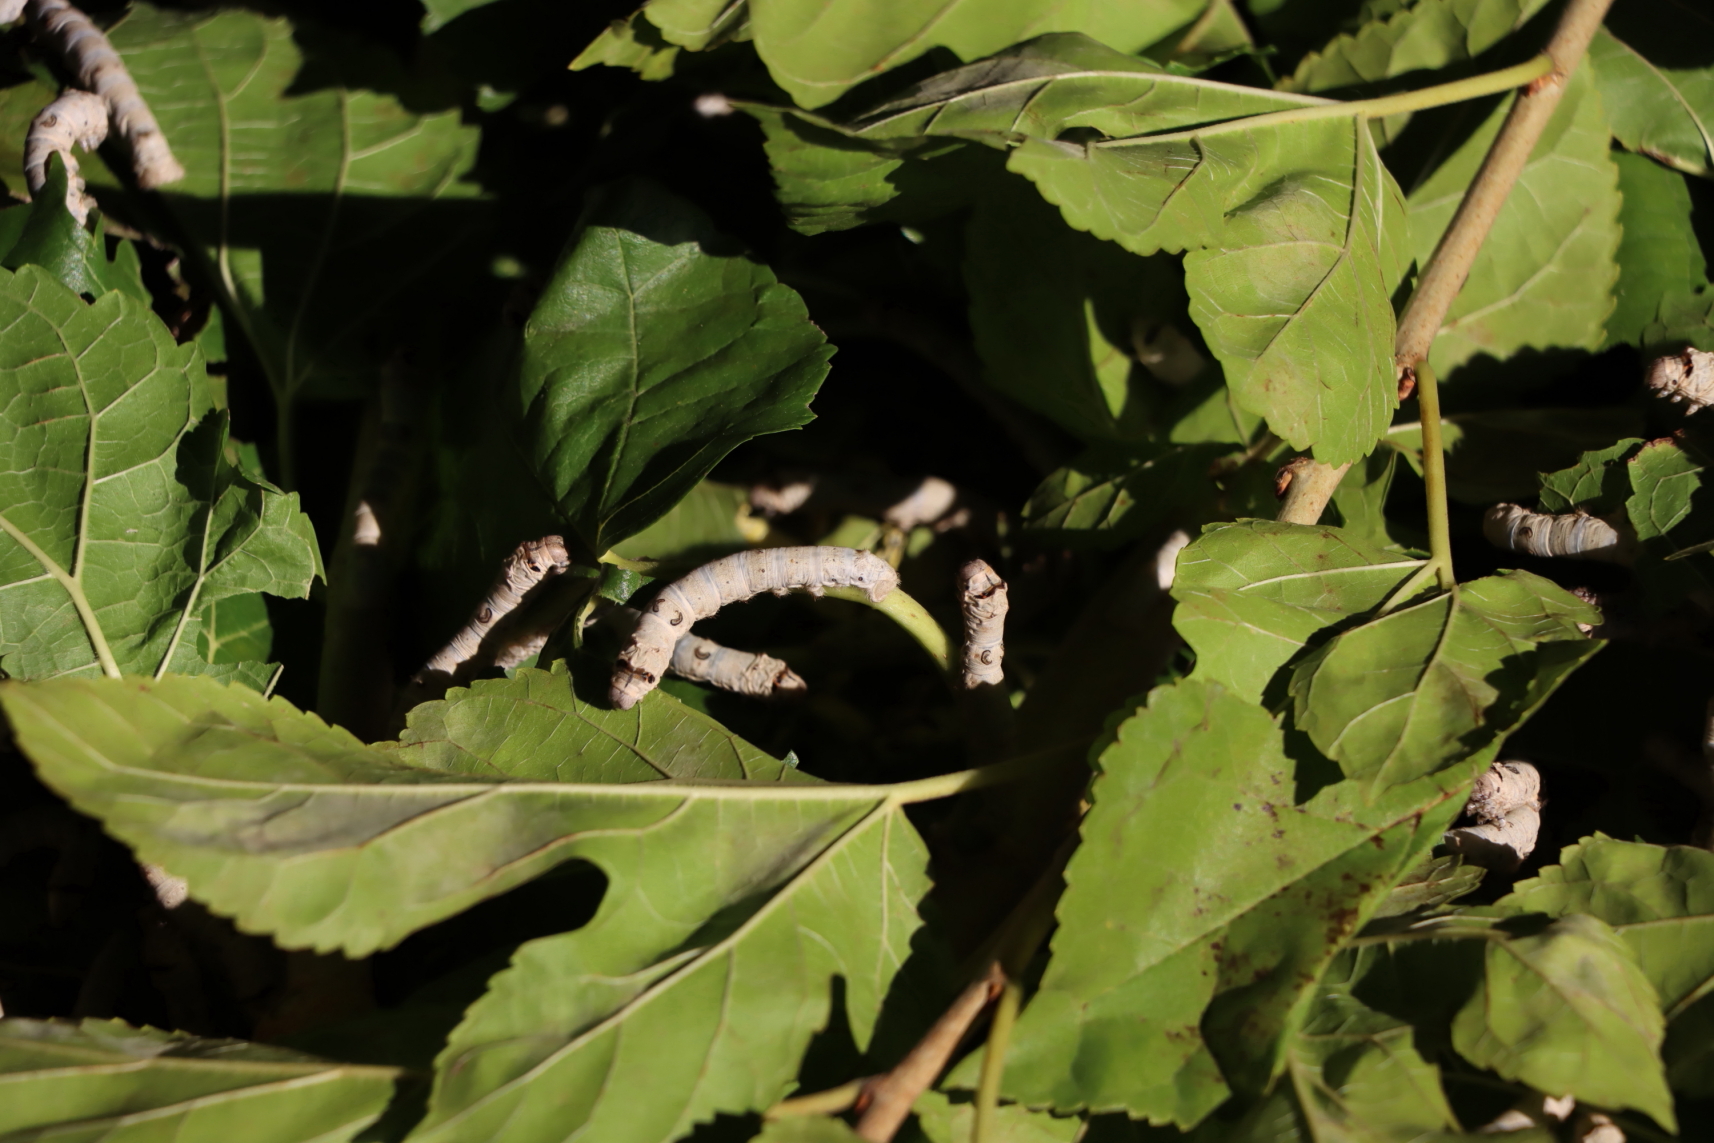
x=907, y=613
x=1434, y=477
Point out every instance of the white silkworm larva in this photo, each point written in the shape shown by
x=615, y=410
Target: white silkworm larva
x=742, y=672
x=982, y=599
x=1504, y=787
x=532, y=563
x=928, y=502
x=1685, y=378
x=1506, y=803
x=76, y=118
x=733, y=579
x=90, y=58
x=1571, y=535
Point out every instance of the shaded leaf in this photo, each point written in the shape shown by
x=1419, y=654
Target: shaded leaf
x=1658, y=898
x=1501, y=454
x=122, y=518
x=1360, y=501
x=439, y=13
x=1427, y=35
x=807, y=1129
x=236, y=629
x=945, y=1121
x=1598, y=482
x=299, y=830
x=655, y=350
x=1432, y=682
x=1660, y=258
x=354, y=196
x=1252, y=594
x=634, y=43
x=1544, y=277
x=1245, y=917
x=1111, y=500
x=1567, y=1010
x=712, y=520
x=1434, y=882
x=48, y=236
x=1666, y=113
x=103, y=1079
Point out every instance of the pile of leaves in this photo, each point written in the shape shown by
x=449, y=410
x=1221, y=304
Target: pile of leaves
x=426, y=292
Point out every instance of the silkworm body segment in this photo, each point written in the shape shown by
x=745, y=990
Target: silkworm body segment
x=742, y=672
x=1684, y=378
x=1573, y=535
x=75, y=118
x=734, y=579
x=983, y=600
x=530, y=564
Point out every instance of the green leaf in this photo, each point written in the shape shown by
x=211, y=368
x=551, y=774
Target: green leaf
x=1435, y=681
x=712, y=520
x=354, y=196
x=1660, y=257
x=122, y=518
x=51, y=238
x=1666, y=113
x=944, y=1121
x=808, y=1129
x=1427, y=35
x=1434, y=882
x=632, y=43
x=1199, y=880
x=1351, y=1074
x=1112, y=500
x=697, y=24
x=1251, y=595
x=1056, y=315
x=1598, y=482
x=701, y=979
x=1568, y=1011
x=534, y=727
x=817, y=53
x=439, y=13
x=1361, y=498
x=655, y=350
x=103, y=1079
x=235, y=630
x=1544, y=277
x=1502, y=454
x=297, y=829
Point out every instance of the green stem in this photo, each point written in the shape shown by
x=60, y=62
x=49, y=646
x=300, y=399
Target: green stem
x=957, y=782
x=1434, y=476
x=907, y=613
x=1441, y=94
x=647, y=567
x=73, y=588
x=994, y=1061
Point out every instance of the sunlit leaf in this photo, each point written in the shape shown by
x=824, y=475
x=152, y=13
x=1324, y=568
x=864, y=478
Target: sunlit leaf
x=1662, y=111
x=1660, y=260
x=1427, y=35
x=656, y=348
x=120, y=517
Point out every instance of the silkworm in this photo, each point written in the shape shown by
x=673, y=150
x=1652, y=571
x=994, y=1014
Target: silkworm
x=733, y=579
x=742, y=672
x=76, y=118
x=1572, y=535
x=534, y=562
x=92, y=62
x=1502, y=788
x=982, y=599
x=1684, y=378
x=929, y=501
x=1506, y=803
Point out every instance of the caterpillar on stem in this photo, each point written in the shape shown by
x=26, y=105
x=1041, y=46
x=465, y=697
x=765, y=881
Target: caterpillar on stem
x=982, y=599
x=733, y=579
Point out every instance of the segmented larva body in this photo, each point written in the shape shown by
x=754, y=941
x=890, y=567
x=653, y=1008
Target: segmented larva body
x=928, y=502
x=982, y=599
x=90, y=58
x=742, y=672
x=1571, y=535
x=734, y=579
x=1506, y=803
x=534, y=562
x=1684, y=378
x=76, y=118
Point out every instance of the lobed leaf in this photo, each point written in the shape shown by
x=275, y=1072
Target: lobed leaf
x=1545, y=274
x=1111, y=501
x=103, y=1079
x=655, y=350
x=1261, y=889
x=298, y=830
x=1427, y=35
x=1660, y=260
x=122, y=518
x=1252, y=594
x=1567, y=1010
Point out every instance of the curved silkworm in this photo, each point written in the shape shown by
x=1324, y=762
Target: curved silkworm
x=1571, y=535
x=532, y=563
x=982, y=599
x=930, y=501
x=1684, y=378
x=90, y=58
x=741, y=672
x=1506, y=803
x=76, y=118
x=733, y=579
